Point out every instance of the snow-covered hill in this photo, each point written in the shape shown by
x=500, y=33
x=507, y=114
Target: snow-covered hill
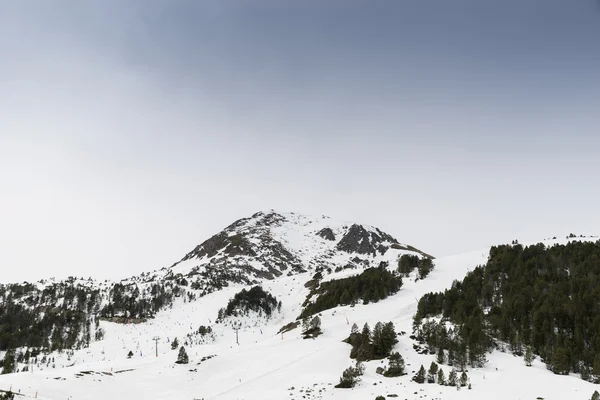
x=282, y=252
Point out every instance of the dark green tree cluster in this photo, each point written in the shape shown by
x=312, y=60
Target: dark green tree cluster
x=376, y=345
x=532, y=300
x=351, y=376
x=407, y=263
x=256, y=299
x=127, y=302
x=372, y=284
x=65, y=315
x=395, y=366
x=464, y=345
x=311, y=328
x=7, y=395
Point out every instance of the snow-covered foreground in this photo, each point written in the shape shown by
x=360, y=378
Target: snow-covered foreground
x=266, y=365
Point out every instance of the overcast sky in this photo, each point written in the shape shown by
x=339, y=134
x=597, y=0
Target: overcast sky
x=130, y=131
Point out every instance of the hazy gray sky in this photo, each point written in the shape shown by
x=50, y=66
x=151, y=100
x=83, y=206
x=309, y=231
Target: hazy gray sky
x=130, y=131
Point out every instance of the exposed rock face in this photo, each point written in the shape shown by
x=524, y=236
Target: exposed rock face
x=327, y=234
x=360, y=240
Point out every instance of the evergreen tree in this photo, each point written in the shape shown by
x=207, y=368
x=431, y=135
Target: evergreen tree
x=441, y=378
x=432, y=373
x=396, y=365
x=388, y=338
x=559, y=363
x=350, y=377
x=450, y=357
x=441, y=357
x=596, y=395
x=182, y=357
x=425, y=266
x=366, y=333
x=529, y=357
x=464, y=379
x=130, y=354
x=452, y=378
x=420, y=376
x=377, y=340
x=8, y=365
x=174, y=344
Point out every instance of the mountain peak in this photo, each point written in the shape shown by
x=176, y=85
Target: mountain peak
x=272, y=243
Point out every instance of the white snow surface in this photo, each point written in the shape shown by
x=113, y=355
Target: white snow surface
x=267, y=365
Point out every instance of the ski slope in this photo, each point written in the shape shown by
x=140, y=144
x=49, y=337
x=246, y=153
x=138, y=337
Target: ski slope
x=267, y=365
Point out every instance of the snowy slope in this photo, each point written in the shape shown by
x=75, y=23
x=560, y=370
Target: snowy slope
x=266, y=365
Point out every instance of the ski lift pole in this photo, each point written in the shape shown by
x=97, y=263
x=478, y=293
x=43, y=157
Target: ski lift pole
x=156, y=339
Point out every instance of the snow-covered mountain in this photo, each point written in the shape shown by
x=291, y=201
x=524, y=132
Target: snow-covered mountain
x=263, y=247
x=246, y=355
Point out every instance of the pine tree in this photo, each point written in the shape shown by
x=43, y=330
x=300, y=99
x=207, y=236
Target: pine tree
x=354, y=329
x=464, y=379
x=441, y=357
x=130, y=354
x=560, y=361
x=420, y=376
x=441, y=378
x=596, y=395
x=366, y=333
x=396, y=365
x=174, y=344
x=377, y=339
x=182, y=357
x=8, y=366
x=388, y=338
x=452, y=378
x=350, y=377
x=529, y=357
x=432, y=373
x=450, y=357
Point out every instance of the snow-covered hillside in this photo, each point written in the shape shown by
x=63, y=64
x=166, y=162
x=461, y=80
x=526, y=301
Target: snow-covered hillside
x=269, y=365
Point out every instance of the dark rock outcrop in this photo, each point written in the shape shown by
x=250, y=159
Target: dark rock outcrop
x=360, y=240
x=327, y=234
